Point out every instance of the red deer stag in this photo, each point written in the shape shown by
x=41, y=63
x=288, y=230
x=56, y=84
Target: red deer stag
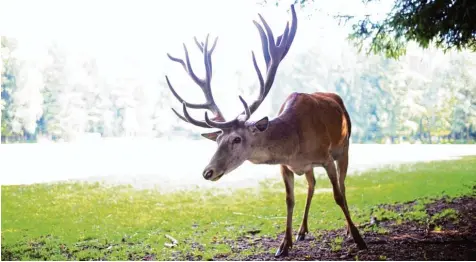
x=310, y=130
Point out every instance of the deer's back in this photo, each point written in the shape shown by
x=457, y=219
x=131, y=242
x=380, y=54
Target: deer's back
x=320, y=118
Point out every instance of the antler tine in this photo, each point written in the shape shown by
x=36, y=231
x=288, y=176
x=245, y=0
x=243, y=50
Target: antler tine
x=191, y=120
x=206, y=61
x=258, y=72
x=264, y=43
x=273, y=53
x=292, y=32
x=181, y=100
x=195, y=122
x=204, y=84
x=247, y=109
x=200, y=46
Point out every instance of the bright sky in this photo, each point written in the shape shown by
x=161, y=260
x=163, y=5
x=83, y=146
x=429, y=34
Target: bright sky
x=125, y=35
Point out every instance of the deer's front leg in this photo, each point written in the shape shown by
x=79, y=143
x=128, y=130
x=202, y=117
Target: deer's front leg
x=287, y=242
x=311, y=182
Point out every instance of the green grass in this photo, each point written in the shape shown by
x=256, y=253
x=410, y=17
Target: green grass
x=83, y=221
x=336, y=245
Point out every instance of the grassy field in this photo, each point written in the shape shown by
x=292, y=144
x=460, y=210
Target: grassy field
x=81, y=221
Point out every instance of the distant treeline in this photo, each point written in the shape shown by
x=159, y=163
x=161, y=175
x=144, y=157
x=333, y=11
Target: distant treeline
x=425, y=97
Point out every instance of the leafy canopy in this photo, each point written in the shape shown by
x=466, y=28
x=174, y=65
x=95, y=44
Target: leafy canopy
x=448, y=24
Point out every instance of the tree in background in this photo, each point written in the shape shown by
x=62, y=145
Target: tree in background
x=8, y=87
x=447, y=24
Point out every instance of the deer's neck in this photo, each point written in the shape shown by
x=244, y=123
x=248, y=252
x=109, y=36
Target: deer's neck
x=277, y=144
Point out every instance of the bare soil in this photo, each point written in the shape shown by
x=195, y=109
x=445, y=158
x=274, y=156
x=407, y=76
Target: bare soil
x=443, y=239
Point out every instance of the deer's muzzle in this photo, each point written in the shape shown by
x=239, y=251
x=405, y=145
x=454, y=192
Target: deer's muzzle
x=212, y=174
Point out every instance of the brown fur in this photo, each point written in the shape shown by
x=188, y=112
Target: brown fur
x=330, y=107
x=318, y=123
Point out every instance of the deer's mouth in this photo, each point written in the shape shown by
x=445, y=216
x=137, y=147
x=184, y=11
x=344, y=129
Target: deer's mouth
x=218, y=177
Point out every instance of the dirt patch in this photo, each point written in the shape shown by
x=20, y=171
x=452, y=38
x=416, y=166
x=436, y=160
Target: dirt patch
x=446, y=237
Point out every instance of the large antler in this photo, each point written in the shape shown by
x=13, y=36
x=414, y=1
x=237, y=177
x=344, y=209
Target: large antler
x=273, y=53
x=204, y=84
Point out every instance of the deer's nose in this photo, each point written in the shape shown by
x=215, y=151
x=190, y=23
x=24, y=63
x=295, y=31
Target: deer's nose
x=208, y=173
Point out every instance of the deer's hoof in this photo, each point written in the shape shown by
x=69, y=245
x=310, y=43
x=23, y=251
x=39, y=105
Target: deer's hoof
x=281, y=252
x=283, y=249
x=358, y=238
x=362, y=245
x=300, y=237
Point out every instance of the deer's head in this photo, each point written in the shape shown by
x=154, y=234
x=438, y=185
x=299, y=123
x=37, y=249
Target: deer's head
x=235, y=145
x=237, y=138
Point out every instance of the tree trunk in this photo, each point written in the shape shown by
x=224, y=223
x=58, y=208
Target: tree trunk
x=420, y=132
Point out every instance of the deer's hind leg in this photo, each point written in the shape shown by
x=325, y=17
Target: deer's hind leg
x=342, y=164
x=340, y=200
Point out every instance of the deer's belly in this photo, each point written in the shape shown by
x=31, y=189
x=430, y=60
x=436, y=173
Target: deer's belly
x=301, y=168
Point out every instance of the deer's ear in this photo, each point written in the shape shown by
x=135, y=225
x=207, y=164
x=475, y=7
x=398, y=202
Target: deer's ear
x=260, y=125
x=212, y=136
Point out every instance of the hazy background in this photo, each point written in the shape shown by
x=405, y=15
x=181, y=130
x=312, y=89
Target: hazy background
x=84, y=92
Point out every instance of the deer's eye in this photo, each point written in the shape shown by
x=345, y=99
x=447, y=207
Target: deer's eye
x=236, y=140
